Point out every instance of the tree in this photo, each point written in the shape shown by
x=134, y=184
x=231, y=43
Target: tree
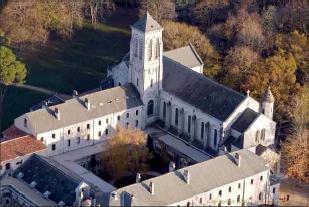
x=159, y=9
x=126, y=152
x=209, y=12
x=237, y=65
x=97, y=9
x=295, y=149
x=31, y=21
x=245, y=29
x=189, y=34
x=12, y=71
x=279, y=72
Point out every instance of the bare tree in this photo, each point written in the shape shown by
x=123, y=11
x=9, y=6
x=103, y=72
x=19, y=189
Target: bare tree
x=97, y=9
x=159, y=9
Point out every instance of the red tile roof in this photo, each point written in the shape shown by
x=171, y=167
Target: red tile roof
x=11, y=133
x=19, y=146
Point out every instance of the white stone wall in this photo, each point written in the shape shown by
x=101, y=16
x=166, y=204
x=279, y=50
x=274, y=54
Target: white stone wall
x=14, y=163
x=120, y=73
x=77, y=140
x=214, y=123
x=247, y=192
x=262, y=122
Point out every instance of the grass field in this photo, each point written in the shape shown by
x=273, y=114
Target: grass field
x=78, y=63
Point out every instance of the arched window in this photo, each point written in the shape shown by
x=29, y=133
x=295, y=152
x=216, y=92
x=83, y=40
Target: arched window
x=149, y=50
x=220, y=193
x=261, y=196
x=230, y=189
x=229, y=202
x=150, y=106
x=78, y=129
x=238, y=198
x=215, y=137
x=263, y=134
x=25, y=123
x=136, y=112
x=202, y=130
x=164, y=110
x=189, y=124
x=257, y=136
x=176, y=116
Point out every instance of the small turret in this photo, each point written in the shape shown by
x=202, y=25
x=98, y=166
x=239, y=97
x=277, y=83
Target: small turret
x=268, y=103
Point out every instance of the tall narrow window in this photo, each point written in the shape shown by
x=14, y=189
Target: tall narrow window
x=88, y=126
x=189, y=124
x=150, y=107
x=99, y=134
x=263, y=134
x=106, y=131
x=140, y=49
x=157, y=48
x=53, y=147
x=261, y=196
x=215, y=137
x=210, y=196
x=238, y=199
x=176, y=117
x=137, y=82
x=69, y=142
x=136, y=123
x=257, y=136
x=151, y=83
x=136, y=47
x=220, y=193
x=25, y=123
x=202, y=130
x=164, y=110
x=100, y=123
x=88, y=137
x=149, y=50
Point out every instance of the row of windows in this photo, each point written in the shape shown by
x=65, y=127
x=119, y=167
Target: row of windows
x=8, y=165
x=189, y=124
x=260, y=135
x=138, y=49
x=89, y=126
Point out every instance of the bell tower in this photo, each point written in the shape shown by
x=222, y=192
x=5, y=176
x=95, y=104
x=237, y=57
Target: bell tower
x=145, y=69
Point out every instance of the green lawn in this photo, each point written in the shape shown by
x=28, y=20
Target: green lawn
x=78, y=63
x=17, y=102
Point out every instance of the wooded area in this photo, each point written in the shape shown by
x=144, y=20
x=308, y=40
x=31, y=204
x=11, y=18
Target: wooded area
x=246, y=45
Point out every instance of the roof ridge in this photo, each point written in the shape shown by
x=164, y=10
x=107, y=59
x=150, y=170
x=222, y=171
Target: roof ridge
x=207, y=78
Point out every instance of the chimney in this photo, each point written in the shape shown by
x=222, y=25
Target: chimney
x=46, y=194
x=87, y=103
x=151, y=188
x=75, y=93
x=186, y=176
x=44, y=105
x=33, y=184
x=57, y=113
x=115, y=195
x=237, y=159
x=171, y=167
x=138, y=177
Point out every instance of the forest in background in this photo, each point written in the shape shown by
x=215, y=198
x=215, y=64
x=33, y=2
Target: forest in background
x=245, y=44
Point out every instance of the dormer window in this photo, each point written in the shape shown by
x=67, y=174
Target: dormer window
x=25, y=123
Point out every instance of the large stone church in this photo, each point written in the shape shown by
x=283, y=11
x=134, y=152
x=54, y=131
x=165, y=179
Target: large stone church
x=153, y=86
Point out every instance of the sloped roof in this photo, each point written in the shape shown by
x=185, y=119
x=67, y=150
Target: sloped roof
x=268, y=96
x=245, y=120
x=186, y=56
x=19, y=146
x=73, y=111
x=147, y=24
x=199, y=91
x=49, y=178
x=205, y=176
x=11, y=133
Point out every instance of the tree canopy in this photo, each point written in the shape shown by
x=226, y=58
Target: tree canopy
x=189, y=34
x=126, y=152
